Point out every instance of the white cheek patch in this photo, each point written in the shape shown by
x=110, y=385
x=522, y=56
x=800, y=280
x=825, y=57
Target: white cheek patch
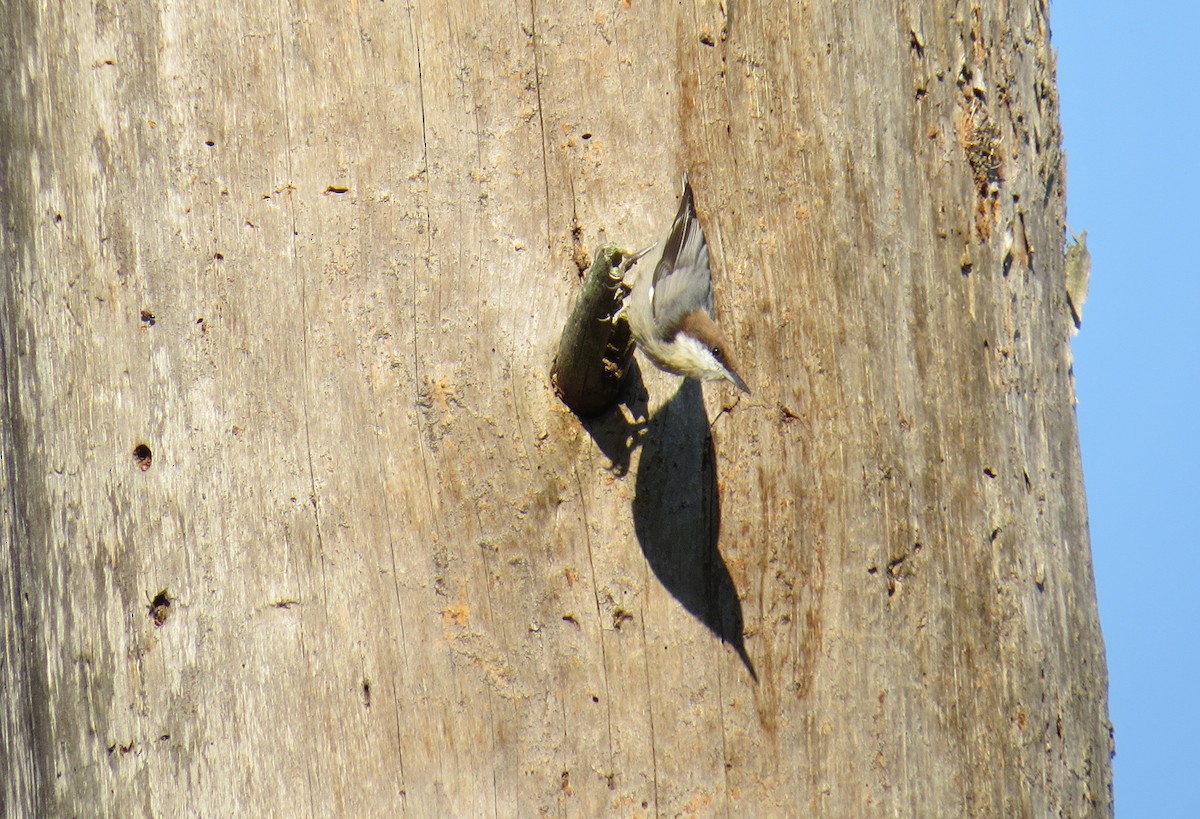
x=700, y=363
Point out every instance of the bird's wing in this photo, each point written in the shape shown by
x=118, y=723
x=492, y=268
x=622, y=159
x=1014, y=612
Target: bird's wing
x=682, y=281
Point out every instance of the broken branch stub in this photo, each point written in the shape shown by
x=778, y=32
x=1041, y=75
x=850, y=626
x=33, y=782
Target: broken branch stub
x=596, y=345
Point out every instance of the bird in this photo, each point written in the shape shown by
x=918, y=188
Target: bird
x=670, y=314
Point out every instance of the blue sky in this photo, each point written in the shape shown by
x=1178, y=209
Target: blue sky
x=1127, y=82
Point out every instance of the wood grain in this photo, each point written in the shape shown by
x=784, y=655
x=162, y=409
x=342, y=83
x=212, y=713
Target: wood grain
x=402, y=578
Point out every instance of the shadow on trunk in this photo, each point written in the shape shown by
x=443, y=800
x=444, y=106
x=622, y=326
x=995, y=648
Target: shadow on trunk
x=677, y=516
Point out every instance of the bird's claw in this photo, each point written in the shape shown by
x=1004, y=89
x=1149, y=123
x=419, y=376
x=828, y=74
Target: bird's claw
x=631, y=259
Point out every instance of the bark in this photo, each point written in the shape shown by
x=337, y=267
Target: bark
x=596, y=349
x=316, y=259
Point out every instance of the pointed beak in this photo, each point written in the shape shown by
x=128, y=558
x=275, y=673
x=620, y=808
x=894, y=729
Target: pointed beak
x=737, y=381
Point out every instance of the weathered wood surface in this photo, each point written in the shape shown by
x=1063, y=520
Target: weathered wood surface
x=317, y=257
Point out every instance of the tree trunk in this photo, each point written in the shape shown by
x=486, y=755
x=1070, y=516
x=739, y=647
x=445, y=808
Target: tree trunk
x=294, y=522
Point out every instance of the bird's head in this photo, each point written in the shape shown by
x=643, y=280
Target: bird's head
x=700, y=350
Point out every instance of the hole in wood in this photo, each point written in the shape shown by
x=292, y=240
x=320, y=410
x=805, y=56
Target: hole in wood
x=159, y=608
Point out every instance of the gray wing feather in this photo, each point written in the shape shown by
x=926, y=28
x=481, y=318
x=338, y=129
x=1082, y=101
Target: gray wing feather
x=682, y=281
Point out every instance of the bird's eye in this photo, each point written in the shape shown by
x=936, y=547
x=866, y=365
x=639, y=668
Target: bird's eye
x=716, y=351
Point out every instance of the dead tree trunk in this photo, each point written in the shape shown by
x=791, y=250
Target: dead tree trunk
x=293, y=520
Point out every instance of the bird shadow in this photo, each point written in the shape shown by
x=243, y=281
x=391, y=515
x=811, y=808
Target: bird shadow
x=677, y=516
x=613, y=432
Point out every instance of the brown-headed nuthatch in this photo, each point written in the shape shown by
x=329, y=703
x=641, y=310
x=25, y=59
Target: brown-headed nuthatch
x=671, y=312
